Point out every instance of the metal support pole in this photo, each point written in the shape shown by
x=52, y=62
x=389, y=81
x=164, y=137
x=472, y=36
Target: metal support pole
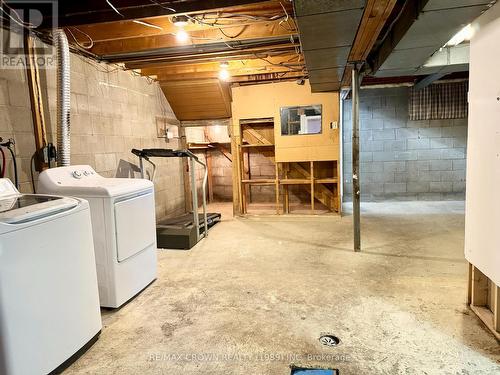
x=194, y=193
x=355, y=160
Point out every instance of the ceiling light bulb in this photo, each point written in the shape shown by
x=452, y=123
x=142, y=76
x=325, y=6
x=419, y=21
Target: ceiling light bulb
x=465, y=34
x=181, y=36
x=224, y=65
x=224, y=75
x=180, y=21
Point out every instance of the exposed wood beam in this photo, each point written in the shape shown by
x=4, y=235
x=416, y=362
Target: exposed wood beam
x=224, y=55
x=235, y=17
x=407, y=17
x=74, y=13
x=374, y=18
x=290, y=61
x=213, y=35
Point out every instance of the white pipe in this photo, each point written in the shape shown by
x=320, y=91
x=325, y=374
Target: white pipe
x=63, y=98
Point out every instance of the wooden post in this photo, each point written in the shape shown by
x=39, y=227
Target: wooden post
x=185, y=171
x=479, y=288
x=277, y=187
x=286, y=200
x=496, y=308
x=311, y=166
x=235, y=176
x=208, y=156
x=355, y=160
x=37, y=110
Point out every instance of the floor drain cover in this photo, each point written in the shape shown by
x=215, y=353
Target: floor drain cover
x=329, y=340
x=313, y=371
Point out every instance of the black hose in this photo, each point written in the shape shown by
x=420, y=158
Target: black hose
x=16, y=179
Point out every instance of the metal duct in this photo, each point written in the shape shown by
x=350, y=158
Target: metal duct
x=327, y=31
x=436, y=22
x=63, y=98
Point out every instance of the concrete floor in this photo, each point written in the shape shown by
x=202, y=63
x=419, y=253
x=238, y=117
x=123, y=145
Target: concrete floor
x=255, y=296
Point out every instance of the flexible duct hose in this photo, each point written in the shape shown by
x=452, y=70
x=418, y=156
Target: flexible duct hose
x=63, y=98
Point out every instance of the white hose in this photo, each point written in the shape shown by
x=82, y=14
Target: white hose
x=63, y=98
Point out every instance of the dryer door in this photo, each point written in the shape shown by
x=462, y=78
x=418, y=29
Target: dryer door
x=135, y=226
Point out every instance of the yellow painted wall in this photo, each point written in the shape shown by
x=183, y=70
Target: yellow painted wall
x=261, y=101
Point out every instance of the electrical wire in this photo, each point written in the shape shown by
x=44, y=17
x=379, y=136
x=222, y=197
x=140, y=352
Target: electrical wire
x=31, y=172
x=8, y=145
x=91, y=41
x=2, y=170
x=19, y=21
x=114, y=8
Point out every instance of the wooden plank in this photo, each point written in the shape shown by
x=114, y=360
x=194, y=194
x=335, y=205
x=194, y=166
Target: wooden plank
x=277, y=188
x=295, y=181
x=486, y=317
x=286, y=203
x=162, y=40
x=311, y=165
x=36, y=101
x=235, y=178
x=259, y=181
x=469, y=284
x=479, y=288
x=496, y=308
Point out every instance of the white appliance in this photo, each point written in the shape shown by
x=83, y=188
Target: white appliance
x=123, y=224
x=49, y=303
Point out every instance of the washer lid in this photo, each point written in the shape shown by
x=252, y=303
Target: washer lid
x=83, y=181
x=21, y=208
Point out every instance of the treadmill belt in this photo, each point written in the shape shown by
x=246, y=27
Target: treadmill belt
x=187, y=220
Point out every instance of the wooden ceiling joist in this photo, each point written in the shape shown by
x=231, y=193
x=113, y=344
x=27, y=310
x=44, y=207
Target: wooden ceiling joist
x=212, y=35
x=75, y=13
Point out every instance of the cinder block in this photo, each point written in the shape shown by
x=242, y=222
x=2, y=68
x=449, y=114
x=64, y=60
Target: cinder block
x=385, y=134
x=395, y=123
x=395, y=145
x=429, y=176
x=384, y=113
x=367, y=124
x=430, y=196
x=383, y=156
x=429, y=154
x=429, y=132
x=372, y=146
x=441, y=142
x=440, y=123
x=365, y=156
x=418, y=165
x=406, y=133
x=401, y=177
x=453, y=153
x=18, y=94
x=459, y=142
x=454, y=176
x=455, y=132
x=418, y=124
x=459, y=164
x=372, y=167
x=405, y=155
x=418, y=144
x=418, y=187
x=441, y=187
x=459, y=187
x=460, y=122
x=440, y=165
x=395, y=166
x=398, y=187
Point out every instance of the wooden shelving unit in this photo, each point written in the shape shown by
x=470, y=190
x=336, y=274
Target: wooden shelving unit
x=320, y=178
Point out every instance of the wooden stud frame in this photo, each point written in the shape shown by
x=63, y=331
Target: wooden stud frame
x=483, y=297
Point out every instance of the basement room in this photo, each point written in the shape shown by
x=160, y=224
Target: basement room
x=282, y=187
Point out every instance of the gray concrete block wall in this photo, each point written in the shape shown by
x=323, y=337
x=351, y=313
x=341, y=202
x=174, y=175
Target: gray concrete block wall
x=402, y=159
x=111, y=113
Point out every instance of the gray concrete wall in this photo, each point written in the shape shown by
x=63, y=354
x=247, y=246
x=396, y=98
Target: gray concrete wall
x=402, y=159
x=112, y=111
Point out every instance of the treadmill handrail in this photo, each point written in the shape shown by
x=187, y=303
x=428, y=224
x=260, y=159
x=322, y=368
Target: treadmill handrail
x=169, y=153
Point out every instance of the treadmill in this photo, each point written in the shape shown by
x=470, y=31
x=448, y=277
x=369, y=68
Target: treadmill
x=185, y=231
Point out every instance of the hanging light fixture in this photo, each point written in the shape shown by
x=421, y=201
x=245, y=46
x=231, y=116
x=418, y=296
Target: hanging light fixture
x=180, y=21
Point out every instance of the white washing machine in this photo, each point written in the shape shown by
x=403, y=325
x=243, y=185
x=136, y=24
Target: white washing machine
x=49, y=303
x=123, y=224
